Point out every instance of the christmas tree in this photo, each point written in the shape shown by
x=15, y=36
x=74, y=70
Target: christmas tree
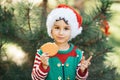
x=94, y=39
x=23, y=23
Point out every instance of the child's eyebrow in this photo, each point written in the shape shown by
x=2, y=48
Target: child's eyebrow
x=67, y=26
x=56, y=25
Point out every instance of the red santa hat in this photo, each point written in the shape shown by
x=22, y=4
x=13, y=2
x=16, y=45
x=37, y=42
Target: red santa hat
x=68, y=13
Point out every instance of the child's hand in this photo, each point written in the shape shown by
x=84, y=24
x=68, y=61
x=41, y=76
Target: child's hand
x=44, y=60
x=85, y=63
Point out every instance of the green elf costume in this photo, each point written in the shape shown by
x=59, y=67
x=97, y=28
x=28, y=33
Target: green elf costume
x=65, y=64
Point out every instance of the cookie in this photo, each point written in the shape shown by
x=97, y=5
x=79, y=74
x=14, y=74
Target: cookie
x=50, y=48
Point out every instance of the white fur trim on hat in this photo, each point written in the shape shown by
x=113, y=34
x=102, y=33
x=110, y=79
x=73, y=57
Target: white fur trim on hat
x=68, y=15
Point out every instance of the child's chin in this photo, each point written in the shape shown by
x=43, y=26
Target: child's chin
x=60, y=41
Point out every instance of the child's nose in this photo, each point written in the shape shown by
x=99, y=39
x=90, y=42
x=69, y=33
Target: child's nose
x=61, y=31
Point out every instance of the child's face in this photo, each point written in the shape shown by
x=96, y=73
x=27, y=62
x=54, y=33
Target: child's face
x=61, y=32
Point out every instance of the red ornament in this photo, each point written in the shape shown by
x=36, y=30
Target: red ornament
x=105, y=27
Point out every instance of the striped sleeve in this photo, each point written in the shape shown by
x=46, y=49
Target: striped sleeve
x=80, y=75
x=38, y=72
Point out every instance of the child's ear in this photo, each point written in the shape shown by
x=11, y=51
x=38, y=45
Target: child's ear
x=51, y=33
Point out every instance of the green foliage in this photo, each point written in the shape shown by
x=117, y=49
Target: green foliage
x=10, y=71
x=93, y=41
x=6, y=26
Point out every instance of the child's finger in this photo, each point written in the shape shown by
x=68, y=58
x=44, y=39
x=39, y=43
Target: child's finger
x=88, y=60
x=45, y=54
x=83, y=58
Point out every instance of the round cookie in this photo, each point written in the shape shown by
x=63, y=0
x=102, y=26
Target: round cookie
x=50, y=48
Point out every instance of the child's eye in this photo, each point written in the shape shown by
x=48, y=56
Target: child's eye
x=56, y=27
x=66, y=28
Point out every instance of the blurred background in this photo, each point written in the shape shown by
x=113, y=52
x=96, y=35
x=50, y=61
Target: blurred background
x=23, y=31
